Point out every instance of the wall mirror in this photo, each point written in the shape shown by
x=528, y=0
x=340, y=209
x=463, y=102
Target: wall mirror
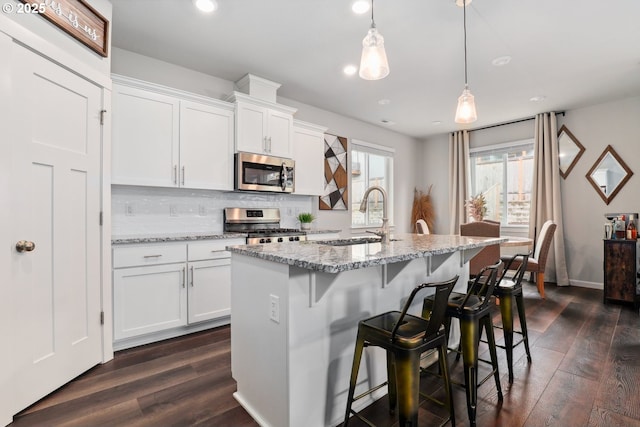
x=609, y=174
x=569, y=151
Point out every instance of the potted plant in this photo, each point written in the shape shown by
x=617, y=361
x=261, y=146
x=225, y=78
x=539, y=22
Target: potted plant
x=305, y=218
x=477, y=207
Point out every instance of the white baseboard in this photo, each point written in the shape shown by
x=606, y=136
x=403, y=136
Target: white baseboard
x=584, y=284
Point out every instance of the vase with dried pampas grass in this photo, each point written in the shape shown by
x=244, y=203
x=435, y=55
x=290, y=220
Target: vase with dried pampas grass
x=422, y=208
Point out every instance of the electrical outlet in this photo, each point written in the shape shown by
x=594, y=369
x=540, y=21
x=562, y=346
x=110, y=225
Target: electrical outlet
x=173, y=210
x=274, y=308
x=202, y=210
x=128, y=209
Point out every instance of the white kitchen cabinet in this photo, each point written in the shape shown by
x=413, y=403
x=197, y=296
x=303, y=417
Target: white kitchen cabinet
x=206, y=146
x=145, y=137
x=167, y=138
x=165, y=290
x=263, y=127
x=308, y=153
x=148, y=299
x=209, y=289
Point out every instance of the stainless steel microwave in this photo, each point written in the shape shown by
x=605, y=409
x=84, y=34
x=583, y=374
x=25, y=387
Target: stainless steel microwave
x=256, y=172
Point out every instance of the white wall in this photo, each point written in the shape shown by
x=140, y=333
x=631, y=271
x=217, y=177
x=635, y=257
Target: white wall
x=597, y=126
x=406, y=156
x=617, y=124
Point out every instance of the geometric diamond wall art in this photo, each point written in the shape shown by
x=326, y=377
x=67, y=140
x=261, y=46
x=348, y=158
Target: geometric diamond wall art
x=335, y=196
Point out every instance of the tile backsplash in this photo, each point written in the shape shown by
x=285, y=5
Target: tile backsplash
x=153, y=210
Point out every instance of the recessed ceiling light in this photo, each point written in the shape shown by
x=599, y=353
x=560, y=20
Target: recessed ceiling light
x=360, y=7
x=350, y=70
x=384, y=101
x=460, y=3
x=537, y=98
x=207, y=6
x=501, y=61
x=436, y=122
x=387, y=122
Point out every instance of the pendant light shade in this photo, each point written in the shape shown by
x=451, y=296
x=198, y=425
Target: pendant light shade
x=466, y=111
x=373, y=62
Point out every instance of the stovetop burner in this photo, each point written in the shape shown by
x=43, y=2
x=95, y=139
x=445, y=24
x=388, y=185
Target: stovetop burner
x=275, y=231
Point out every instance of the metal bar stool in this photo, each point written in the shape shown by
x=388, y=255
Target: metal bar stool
x=473, y=310
x=405, y=338
x=508, y=289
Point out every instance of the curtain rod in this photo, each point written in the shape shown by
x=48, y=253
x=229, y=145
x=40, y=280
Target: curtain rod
x=510, y=123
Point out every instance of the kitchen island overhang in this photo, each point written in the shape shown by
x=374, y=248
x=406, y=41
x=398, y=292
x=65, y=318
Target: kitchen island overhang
x=294, y=314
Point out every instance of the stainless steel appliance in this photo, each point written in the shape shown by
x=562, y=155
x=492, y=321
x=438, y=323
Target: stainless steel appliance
x=256, y=172
x=262, y=225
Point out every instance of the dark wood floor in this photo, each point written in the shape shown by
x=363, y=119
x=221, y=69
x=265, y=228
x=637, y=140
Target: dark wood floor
x=585, y=372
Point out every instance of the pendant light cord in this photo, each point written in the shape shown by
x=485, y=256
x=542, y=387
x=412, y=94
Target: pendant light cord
x=373, y=23
x=464, y=24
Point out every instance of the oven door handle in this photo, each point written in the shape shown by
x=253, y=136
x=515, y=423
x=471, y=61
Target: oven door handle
x=283, y=177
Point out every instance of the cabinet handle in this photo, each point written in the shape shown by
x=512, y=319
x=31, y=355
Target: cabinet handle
x=152, y=256
x=269, y=144
x=192, y=276
x=183, y=175
x=264, y=144
x=184, y=272
x=175, y=174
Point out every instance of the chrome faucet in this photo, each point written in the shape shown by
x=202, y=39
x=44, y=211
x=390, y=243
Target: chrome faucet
x=384, y=231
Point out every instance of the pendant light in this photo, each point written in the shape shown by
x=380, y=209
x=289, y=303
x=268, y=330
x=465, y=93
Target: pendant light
x=373, y=63
x=466, y=111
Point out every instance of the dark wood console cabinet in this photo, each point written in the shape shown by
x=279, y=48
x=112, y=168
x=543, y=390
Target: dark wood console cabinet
x=621, y=271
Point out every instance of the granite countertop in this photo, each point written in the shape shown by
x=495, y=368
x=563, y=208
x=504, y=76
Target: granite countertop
x=173, y=237
x=313, y=255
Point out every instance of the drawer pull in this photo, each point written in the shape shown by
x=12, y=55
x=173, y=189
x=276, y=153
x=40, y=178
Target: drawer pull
x=152, y=256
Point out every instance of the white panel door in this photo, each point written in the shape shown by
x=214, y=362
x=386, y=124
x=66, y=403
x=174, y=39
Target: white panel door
x=206, y=146
x=56, y=179
x=145, y=138
x=209, y=289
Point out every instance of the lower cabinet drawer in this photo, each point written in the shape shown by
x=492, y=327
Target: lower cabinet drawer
x=212, y=249
x=133, y=256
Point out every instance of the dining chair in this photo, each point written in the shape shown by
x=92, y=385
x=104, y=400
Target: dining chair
x=489, y=254
x=537, y=263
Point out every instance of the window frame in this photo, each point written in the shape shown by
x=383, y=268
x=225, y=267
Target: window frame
x=504, y=147
x=380, y=150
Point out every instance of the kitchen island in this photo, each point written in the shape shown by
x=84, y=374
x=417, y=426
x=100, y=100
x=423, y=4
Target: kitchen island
x=295, y=310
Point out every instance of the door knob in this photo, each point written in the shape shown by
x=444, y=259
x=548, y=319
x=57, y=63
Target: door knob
x=25, y=246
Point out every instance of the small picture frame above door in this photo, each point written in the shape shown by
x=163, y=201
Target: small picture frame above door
x=569, y=151
x=609, y=174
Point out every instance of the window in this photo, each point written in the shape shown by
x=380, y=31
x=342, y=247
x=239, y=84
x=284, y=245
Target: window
x=504, y=175
x=371, y=164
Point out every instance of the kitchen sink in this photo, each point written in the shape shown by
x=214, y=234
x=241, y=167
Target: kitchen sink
x=352, y=241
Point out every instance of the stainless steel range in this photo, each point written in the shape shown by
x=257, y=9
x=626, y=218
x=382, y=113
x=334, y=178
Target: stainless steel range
x=262, y=225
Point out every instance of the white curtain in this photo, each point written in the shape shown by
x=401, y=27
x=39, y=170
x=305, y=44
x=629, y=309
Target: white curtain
x=458, y=179
x=546, y=200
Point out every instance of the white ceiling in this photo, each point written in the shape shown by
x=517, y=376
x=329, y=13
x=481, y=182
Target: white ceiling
x=574, y=53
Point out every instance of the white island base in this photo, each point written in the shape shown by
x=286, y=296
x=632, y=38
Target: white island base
x=293, y=332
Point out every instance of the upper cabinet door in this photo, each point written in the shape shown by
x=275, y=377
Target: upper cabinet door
x=308, y=152
x=206, y=146
x=145, y=137
x=263, y=130
x=251, y=128
x=280, y=130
